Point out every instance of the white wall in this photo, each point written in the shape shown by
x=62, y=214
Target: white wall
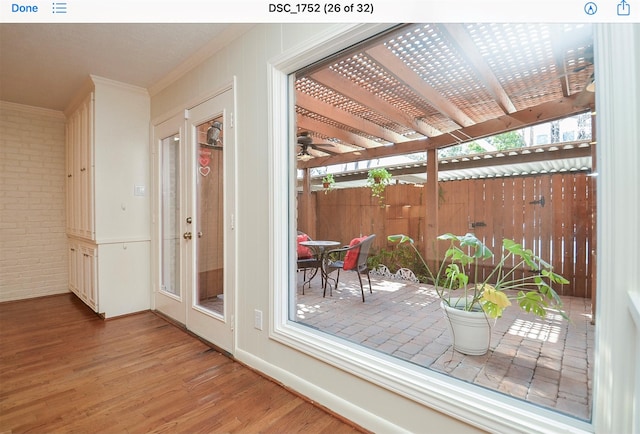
x=33, y=244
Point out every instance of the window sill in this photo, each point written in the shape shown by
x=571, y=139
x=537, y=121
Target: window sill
x=482, y=408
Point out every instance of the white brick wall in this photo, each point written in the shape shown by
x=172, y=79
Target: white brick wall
x=33, y=244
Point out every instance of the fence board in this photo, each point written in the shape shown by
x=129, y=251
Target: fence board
x=561, y=231
x=581, y=236
x=546, y=217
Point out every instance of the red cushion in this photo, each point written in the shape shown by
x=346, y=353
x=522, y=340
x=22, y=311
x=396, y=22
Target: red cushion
x=304, y=252
x=351, y=258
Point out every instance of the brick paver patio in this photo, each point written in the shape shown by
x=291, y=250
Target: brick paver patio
x=547, y=361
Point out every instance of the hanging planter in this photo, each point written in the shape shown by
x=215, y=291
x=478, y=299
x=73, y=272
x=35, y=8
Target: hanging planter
x=328, y=182
x=377, y=180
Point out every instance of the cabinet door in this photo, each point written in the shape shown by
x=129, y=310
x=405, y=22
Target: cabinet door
x=89, y=290
x=74, y=254
x=73, y=174
x=85, y=168
x=70, y=172
x=79, y=161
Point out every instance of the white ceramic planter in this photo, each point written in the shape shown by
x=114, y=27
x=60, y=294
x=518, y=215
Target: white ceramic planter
x=469, y=331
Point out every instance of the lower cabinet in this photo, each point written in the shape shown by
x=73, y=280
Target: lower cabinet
x=113, y=279
x=82, y=272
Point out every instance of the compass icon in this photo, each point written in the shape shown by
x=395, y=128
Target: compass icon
x=590, y=8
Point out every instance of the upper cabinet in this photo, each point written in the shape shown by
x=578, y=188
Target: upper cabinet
x=108, y=163
x=80, y=221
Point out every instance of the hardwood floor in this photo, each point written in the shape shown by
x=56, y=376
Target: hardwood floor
x=63, y=369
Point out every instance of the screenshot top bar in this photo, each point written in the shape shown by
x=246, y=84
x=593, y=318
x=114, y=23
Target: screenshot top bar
x=345, y=11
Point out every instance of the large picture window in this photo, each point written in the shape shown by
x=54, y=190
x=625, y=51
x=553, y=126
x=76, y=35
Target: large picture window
x=387, y=326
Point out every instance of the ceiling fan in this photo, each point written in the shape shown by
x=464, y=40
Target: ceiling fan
x=305, y=141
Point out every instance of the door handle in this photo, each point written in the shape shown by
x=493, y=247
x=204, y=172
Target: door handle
x=187, y=235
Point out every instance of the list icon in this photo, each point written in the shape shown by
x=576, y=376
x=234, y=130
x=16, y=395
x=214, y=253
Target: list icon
x=59, y=7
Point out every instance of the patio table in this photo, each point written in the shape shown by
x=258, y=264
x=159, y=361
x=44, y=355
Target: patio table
x=320, y=247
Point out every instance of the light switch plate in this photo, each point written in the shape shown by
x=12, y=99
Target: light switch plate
x=139, y=190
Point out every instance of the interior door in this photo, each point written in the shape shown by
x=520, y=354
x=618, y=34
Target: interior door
x=210, y=255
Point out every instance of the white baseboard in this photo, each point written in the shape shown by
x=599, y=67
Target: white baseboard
x=320, y=396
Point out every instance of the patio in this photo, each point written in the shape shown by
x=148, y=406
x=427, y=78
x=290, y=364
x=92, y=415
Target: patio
x=547, y=362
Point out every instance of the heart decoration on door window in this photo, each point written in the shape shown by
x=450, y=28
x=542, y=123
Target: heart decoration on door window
x=204, y=160
x=204, y=171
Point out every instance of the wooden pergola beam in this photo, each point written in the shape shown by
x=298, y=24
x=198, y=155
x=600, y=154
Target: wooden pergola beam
x=545, y=112
x=329, y=111
x=309, y=124
x=394, y=66
x=447, y=164
x=346, y=87
x=467, y=48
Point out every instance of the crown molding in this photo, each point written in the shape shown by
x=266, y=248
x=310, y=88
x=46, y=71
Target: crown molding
x=6, y=105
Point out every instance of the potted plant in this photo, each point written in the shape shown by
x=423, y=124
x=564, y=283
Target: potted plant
x=470, y=300
x=328, y=182
x=378, y=179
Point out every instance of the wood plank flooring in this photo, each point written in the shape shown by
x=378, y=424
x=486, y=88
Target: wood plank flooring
x=63, y=369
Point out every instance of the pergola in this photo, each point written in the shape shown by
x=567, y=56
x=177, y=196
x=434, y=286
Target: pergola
x=427, y=86
x=423, y=87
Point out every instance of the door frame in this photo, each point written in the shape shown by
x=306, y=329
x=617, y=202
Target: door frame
x=230, y=249
x=212, y=327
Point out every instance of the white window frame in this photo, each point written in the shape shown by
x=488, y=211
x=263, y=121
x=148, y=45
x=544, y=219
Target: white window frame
x=489, y=410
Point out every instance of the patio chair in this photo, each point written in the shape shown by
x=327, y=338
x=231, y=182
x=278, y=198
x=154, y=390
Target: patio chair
x=355, y=258
x=307, y=260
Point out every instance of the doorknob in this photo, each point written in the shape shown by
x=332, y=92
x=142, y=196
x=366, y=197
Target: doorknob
x=187, y=235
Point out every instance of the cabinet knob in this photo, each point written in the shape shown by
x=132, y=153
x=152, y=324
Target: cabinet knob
x=187, y=235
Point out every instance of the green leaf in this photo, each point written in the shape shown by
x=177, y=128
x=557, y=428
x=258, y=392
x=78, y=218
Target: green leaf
x=448, y=236
x=526, y=254
x=555, y=278
x=399, y=238
x=492, y=309
x=532, y=302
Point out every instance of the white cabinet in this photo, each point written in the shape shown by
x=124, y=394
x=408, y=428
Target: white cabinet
x=79, y=131
x=107, y=204
x=89, y=294
x=82, y=272
x=73, y=266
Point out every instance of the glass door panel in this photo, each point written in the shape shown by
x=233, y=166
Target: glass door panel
x=170, y=217
x=210, y=212
x=170, y=207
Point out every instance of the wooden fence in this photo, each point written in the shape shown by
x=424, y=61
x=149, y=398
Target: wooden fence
x=553, y=215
